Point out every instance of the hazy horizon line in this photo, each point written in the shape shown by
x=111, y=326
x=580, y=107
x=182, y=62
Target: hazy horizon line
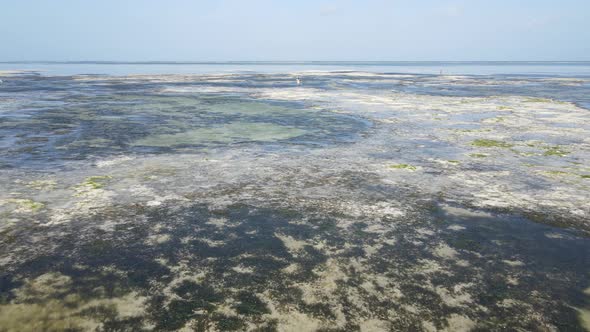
x=319, y=62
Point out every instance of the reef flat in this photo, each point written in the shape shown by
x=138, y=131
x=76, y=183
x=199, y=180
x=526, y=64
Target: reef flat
x=352, y=202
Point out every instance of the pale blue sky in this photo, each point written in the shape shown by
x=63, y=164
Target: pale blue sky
x=220, y=30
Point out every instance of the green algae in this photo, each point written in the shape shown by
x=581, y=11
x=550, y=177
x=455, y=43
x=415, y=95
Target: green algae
x=497, y=119
x=403, y=166
x=555, y=151
x=228, y=133
x=538, y=100
x=478, y=155
x=42, y=184
x=557, y=173
x=544, y=100
x=563, y=174
x=454, y=161
x=490, y=143
x=480, y=130
x=96, y=182
x=26, y=204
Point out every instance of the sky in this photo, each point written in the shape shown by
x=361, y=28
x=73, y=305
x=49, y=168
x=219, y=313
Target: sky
x=294, y=30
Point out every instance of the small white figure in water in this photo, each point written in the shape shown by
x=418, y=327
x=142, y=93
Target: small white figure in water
x=1, y=82
x=298, y=80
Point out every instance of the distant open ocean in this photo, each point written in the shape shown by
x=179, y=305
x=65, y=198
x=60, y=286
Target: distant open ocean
x=559, y=68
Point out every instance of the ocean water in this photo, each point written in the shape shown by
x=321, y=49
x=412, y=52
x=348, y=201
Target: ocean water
x=559, y=68
x=291, y=196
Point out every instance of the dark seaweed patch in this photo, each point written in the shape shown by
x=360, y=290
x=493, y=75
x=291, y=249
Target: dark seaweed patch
x=85, y=251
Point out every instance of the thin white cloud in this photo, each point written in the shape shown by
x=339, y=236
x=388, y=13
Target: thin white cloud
x=328, y=9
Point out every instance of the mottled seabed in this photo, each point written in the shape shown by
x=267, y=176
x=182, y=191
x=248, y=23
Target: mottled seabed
x=354, y=201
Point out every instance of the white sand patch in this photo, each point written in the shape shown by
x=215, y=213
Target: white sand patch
x=456, y=227
x=390, y=241
x=292, y=244
x=218, y=222
x=459, y=323
x=553, y=235
x=584, y=317
x=507, y=303
x=388, y=210
x=429, y=326
x=158, y=239
x=513, y=263
x=458, y=297
x=154, y=203
x=113, y=161
x=377, y=228
x=374, y=325
x=424, y=231
x=292, y=320
x=243, y=269
x=130, y=305
x=371, y=250
x=443, y=250
x=226, y=309
x=86, y=201
x=40, y=297
x=43, y=287
x=329, y=274
x=427, y=266
x=297, y=322
x=46, y=185
x=378, y=210
x=462, y=262
x=212, y=243
x=162, y=261
x=291, y=268
x=465, y=213
x=512, y=280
